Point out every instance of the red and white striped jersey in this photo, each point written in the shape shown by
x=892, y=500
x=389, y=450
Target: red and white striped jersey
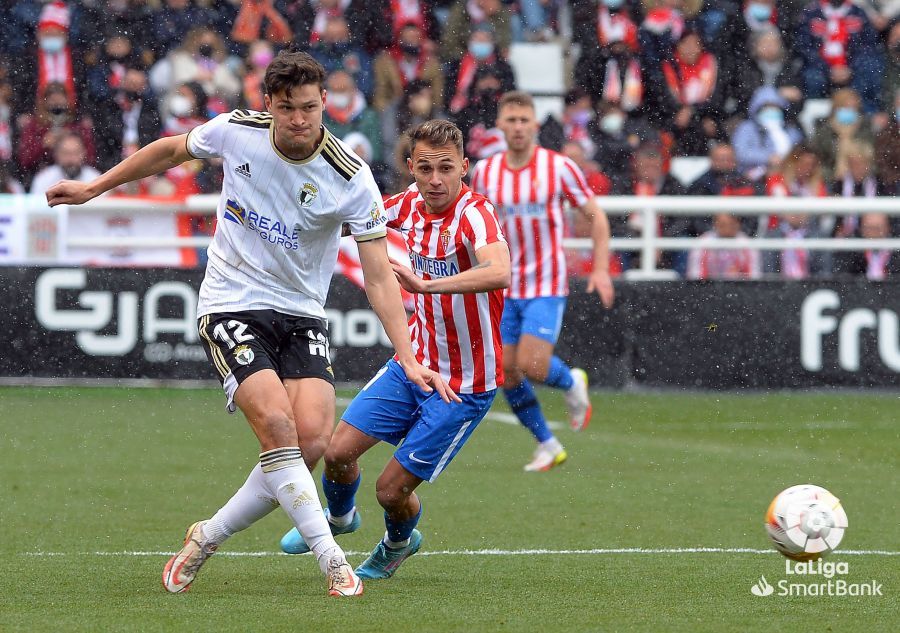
x=456, y=335
x=530, y=201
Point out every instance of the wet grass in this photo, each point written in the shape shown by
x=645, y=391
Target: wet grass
x=87, y=475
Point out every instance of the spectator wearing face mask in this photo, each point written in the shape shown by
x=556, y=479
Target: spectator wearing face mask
x=764, y=138
x=480, y=53
x=410, y=59
x=42, y=131
x=68, y=164
x=465, y=16
x=839, y=48
x=616, y=136
x=202, y=59
x=173, y=21
x=416, y=106
x=478, y=120
x=347, y=111
x=335, y=51
x=846, y=124
x=52, y=62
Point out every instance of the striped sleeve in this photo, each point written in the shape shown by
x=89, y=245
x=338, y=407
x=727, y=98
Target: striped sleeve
x=574, y=184
x=392, y=208
x=481, y=226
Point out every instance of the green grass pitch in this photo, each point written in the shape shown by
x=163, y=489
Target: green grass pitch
x=97, y=485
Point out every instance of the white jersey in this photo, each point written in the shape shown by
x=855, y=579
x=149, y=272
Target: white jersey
x=279, y=219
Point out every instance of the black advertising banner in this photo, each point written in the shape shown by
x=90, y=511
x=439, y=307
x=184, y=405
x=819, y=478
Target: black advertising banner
x=140, y=323
x=755, y=334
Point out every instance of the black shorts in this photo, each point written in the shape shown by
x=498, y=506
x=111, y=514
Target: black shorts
x=239, y=344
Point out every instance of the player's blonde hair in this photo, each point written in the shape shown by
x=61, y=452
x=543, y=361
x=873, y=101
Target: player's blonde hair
x=437, y=133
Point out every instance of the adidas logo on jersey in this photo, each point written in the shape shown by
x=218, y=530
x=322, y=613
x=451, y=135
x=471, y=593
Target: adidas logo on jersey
x=243, y=170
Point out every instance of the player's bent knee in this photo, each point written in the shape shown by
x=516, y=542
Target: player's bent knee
x=390, y=497
x=276, y=429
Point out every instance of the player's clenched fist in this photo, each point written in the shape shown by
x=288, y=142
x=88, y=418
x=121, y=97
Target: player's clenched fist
x=68, y=192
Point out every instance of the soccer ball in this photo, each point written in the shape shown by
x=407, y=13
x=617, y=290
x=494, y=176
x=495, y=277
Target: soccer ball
x=805, y=522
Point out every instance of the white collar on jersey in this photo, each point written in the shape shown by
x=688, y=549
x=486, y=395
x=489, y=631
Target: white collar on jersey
x=326, y=134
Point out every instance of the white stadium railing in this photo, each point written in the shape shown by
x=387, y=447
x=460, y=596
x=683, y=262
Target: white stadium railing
x=648, y=243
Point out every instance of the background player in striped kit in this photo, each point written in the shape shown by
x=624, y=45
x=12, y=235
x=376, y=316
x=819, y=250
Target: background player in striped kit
x=460, y=265
x=529, y=183
x=288, y=188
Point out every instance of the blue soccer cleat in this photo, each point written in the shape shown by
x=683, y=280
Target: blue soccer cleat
x=384, y=561
x=293, y=543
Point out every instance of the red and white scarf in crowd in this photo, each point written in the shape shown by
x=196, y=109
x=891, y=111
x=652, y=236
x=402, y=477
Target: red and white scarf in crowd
x=407, y=12
x=464, y=78
x=848, y=186
x=835, y=31
x=56, y=68
x=876, y=264
x=408, y=71
x=795, y=261
x=691, y=83
x=663, y=19
x=616, y=27
x=629, y=94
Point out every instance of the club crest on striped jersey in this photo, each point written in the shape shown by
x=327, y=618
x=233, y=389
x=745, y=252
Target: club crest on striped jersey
x=445, y=238
x=307, y=194
x=243, y=354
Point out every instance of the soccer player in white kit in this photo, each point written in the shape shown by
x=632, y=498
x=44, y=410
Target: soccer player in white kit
x=529, y=185
x=289, y=189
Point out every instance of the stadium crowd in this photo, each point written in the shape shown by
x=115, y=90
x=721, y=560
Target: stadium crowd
x=85, y=83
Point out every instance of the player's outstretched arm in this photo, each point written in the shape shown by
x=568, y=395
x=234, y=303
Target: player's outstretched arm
x=383, y=292
x=151, y=159
x=491, y=273
x=599, y=280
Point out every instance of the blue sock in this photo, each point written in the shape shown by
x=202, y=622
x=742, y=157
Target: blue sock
x=559, y=375
x=401, y=530
x=524, y=404
x=341, y=497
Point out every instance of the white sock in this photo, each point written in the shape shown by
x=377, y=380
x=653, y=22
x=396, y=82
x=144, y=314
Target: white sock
x=395, y=544
x=552, y=444
x=343, y=520
x=248, y=505
x=289, y=481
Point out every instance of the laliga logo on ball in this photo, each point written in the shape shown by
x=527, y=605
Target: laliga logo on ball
x=805, y=522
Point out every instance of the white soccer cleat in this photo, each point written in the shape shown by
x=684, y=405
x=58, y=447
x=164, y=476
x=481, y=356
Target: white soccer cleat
x=578, y=401
x=182, y=568
x=547, y=455
x=342, y=580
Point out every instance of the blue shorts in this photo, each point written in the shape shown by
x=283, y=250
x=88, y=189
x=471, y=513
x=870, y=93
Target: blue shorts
x=393, y=409
x=541, y=317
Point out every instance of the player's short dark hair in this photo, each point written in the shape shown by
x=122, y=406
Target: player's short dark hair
x=517, y=98
x=437, y=133
x=292, y=69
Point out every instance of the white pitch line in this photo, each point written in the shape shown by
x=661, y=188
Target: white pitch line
x=503, y=552
x=496, y=416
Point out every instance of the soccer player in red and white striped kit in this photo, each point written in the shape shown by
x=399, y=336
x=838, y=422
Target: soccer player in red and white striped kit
x=529, y=184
